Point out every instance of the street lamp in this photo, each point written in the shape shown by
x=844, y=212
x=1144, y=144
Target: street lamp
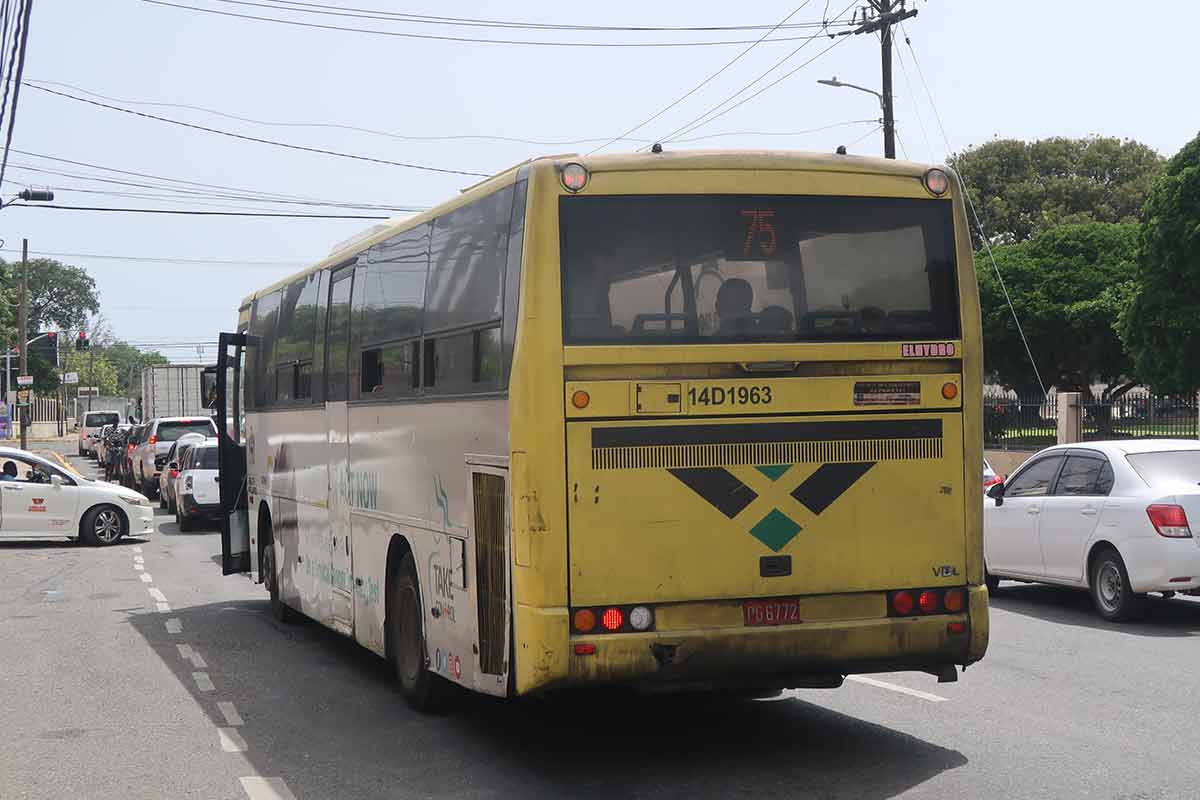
x=835, y=82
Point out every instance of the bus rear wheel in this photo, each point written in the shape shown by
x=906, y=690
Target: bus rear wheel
x=422, y=690
x=270, y=575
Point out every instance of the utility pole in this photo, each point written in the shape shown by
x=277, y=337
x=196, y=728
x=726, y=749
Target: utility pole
x=22, y=332
x=887, y=14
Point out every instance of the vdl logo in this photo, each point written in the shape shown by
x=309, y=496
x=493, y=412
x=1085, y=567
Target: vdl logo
x=728, y=494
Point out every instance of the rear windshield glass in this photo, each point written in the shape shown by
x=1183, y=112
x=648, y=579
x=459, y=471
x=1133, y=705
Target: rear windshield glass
x=206, y=458
x=1166, y=468
x=671, y=270
x=95, y=420
x=170, y=431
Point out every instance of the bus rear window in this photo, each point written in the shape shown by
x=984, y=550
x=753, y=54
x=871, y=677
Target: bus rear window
x=674, y=270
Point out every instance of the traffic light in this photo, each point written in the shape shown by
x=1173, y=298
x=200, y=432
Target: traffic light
x=82, y=342
x=45, y=347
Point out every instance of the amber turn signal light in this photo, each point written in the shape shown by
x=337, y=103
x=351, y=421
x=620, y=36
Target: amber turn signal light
x=585, y=620
x=949, y=390
x=580, y=399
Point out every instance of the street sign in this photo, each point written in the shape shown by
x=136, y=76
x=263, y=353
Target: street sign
x=71, y=377
x=88, y=391
x=22, y=397
x=24, y=380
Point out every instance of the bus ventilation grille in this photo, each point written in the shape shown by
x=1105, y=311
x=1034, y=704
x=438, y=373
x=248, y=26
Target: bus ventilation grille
x=675, y=456
x=489, y=565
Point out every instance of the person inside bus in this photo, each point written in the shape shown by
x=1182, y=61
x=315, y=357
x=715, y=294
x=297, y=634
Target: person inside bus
x=10, y=471
x=734, y=300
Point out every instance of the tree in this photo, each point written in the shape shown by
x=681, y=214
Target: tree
x=60, y=295
x=129, y=362
x=94, y=369
x=1069, y=286
x=1162, y=326
x=1022, y=188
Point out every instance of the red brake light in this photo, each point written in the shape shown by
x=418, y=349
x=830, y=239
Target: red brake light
x=1169, y=520
x=585, y=649
x=929, y=602
x=902, y=603
x=152, y=439
x=956, y=627
x=612, y=619
x=174, y=473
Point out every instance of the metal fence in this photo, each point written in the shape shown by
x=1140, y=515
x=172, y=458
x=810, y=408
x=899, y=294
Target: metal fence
x=1030, y=423
x=1015, y=423
x=1141, y=416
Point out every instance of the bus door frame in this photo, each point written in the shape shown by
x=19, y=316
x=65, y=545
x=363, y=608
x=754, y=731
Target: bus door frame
x=236, y=552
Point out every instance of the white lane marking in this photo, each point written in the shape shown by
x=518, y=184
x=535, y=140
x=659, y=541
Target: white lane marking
x=203, y=682
x=231, y=740
x=174, y=626
x=232, y=717
x=933, y=698
x=164, y=607
x=139, y=559
x=139, y=567
x=191, y=655
x=257, y=788
x=157, y=594
x=137, y=548
x=146, y=578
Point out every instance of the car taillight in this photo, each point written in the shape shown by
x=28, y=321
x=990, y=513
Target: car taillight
x=153, y=440
x=174, y=474
x=1169, y=520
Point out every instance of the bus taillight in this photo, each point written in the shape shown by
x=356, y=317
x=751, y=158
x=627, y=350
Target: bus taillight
x=585, y=620
x=902, y=604
x=613, y=619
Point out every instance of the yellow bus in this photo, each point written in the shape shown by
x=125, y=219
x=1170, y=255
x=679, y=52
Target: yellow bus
x=704, y=420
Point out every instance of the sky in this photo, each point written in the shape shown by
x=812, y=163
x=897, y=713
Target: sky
x=1019, y=69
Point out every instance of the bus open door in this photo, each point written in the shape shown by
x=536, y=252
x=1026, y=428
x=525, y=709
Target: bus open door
x=236, y=552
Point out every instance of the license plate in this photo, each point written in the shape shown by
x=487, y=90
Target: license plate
x=785, y=611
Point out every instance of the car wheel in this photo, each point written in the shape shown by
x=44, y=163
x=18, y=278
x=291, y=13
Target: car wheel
x=992, y=581
x=270, y=575
x=149, y=488
x=1112, y=593
x=185, y=522
x=422, y=689
x=172, y=508
x=102, y=526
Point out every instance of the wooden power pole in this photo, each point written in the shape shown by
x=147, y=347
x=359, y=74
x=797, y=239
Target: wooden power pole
x=887, y=14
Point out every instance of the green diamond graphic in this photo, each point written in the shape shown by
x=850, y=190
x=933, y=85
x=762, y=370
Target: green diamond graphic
x=775, y=530
x=775, y=471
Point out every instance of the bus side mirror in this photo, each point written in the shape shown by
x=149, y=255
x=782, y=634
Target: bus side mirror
x=996, y=492
x=208, y=387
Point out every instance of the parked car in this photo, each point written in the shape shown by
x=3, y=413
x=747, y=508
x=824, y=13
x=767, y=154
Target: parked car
x=990, y=476
x=167, y=496
x=41, y=500
x=198, y=485
x=89, y=429
x=1110, y=517
x=150, y=454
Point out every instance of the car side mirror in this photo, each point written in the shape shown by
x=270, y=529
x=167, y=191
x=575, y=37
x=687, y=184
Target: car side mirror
x=996, y=492
x=57, y=480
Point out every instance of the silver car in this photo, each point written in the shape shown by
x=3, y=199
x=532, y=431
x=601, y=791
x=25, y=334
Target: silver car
x=150, y=455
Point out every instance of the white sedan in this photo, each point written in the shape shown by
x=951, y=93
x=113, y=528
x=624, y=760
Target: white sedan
x=39, y=499
x=1111, y=517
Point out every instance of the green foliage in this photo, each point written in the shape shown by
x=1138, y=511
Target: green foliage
x=60, y=295
x=128, y=362
x=1162, y=326
x=94, y=369
x=1069, y=285
x=1022, y=188
x=45, y=376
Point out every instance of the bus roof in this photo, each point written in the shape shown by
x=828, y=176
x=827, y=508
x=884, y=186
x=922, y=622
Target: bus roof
x=619, y=162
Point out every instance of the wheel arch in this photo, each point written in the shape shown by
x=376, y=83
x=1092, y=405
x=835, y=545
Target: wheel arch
x=1098, y=547
x=98, y=505
x=398, y=548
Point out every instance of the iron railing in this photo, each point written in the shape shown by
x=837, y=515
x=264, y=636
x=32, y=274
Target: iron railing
x=1015, y=423
x=1141, y=416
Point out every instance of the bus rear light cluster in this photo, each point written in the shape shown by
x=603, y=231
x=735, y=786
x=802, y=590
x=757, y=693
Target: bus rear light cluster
x=612, y=619
x=918, y=602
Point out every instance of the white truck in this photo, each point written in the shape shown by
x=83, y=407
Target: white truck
x=172, y=390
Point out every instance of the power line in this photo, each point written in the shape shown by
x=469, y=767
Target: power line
x=193, y=213
x=159, y=260
x=704, y=82
x=466, y=39
x=698, y=121
x=429, y=19
x=23, y=37
x=186, y=182
x=259, y=140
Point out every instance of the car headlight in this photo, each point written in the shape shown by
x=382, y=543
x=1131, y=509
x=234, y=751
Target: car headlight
x=134, y=499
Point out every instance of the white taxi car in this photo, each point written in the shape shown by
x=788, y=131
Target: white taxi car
x=41, y=500
x=1112, y=517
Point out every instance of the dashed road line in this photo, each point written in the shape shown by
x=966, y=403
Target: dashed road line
x=894, y=687
x=147, y=578
x=203, y=682
x=139, y=559
x=157, y=594
x=164, y=608
x=186, y=651
x=231, y=740
x=174, y=626
x=258, y=788
x=232, y=717
x=139, y=567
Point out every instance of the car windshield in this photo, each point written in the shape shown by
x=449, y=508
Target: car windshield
x=96, y=419
x=1170, y=467
x=170, y=431
x=677, y=270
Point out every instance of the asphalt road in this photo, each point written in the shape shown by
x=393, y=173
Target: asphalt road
x=105, y=694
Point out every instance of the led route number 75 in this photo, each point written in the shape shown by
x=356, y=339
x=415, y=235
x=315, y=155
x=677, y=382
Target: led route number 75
x=760, y=231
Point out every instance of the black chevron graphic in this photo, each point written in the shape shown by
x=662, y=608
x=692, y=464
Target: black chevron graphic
x=828, y=483
x=719, y=487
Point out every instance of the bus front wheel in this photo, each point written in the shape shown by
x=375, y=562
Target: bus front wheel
x=422, y=690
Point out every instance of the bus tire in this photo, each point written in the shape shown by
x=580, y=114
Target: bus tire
x=280, y=610
x=422, y=690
